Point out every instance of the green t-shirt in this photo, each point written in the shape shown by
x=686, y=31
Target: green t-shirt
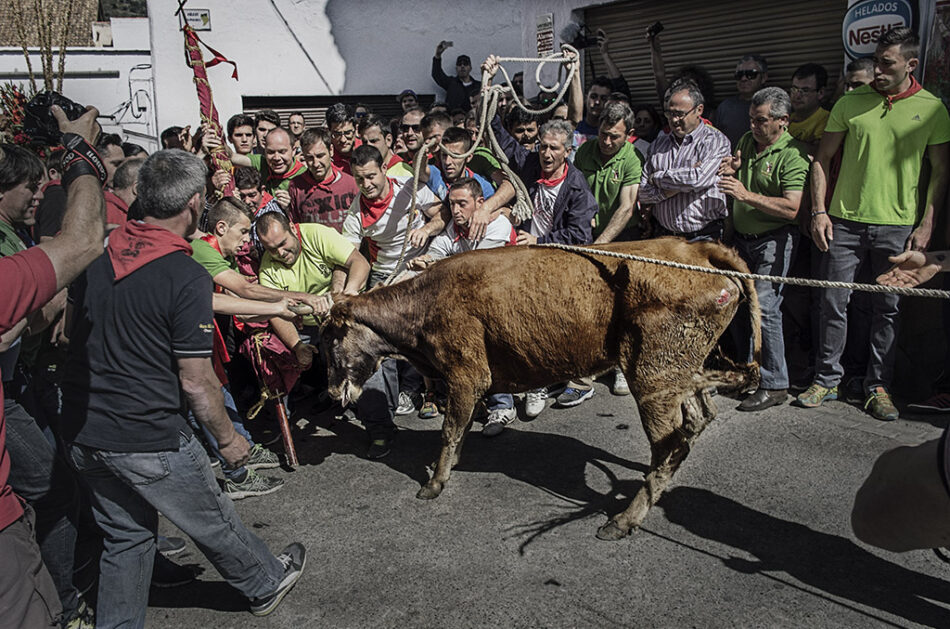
x=271, y=185
x=883, y=150
x=322, y=249
x=606, y=179
x=10, y=242
x=484, y=163
x=780, y=167
x=208, y=257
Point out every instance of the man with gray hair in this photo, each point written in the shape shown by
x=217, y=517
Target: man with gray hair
x=680, y=175
x=765, y=178
x=732, y=115
x=144, y=323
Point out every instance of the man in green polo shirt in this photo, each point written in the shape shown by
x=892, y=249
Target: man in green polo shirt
x=612, y=168
x=765, y=179
x=278, y=164
x=886, y=128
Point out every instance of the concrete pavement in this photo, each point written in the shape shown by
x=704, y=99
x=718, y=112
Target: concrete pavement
x=753, y=532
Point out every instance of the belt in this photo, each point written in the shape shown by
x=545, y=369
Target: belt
x=770, y=232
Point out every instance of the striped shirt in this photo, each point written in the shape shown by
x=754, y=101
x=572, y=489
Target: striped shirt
x=680, y=180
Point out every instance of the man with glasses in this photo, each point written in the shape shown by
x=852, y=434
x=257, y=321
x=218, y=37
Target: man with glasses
x=680, y=179
x=458, y=89
x=732, y=115
x=342, y=125
x=808, y=119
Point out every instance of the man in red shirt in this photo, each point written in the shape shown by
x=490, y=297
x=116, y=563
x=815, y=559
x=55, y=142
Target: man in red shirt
x=28, y=280
x=122, y=194
x=324, y=193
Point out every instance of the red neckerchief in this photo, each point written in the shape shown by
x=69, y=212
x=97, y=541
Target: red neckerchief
x=331, y=177
x=292, y=172
x=461, y=232
x=553, y=182
x=52, y=182
x=372, y=212
x=889, y=99
x=299, y=234
x=117, y=210
x=266, y=198
x=395, y=159
x=512, y=238
x=632, y=138
x=135, y=244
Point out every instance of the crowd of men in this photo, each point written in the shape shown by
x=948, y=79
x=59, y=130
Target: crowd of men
x=128, y=372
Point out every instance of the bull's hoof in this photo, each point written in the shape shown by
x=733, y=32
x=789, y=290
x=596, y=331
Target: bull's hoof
x=610, y=532
x=429, y=492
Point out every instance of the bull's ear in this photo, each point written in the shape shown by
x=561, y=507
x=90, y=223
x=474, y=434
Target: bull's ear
x=340, y=314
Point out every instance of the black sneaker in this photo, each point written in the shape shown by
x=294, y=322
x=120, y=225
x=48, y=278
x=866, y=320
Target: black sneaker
x=169, y=546
x=293, y=558
x=379, y=446
x=166, y=574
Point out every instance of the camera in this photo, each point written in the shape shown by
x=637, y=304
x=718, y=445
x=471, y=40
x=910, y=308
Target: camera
x=39, y=123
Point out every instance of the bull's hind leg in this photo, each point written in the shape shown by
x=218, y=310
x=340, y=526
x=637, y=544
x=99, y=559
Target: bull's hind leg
x=670, y=438
x=458, y=420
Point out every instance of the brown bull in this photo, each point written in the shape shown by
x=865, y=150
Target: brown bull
x=518, y=318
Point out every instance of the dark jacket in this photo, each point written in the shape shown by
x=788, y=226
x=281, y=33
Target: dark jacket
x=456, y=94
x=575, y=205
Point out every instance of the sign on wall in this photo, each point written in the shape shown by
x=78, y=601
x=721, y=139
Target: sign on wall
x=545, y=34
x=866, y=20
x=198, y=19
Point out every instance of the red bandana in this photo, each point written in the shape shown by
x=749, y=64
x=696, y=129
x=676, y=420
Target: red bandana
x=332, y=176
x=372, y=212
x=553, y=182
x=135, y=244
x=266, y=198
x=395, y=159
x=910, y=91
x=292, y=172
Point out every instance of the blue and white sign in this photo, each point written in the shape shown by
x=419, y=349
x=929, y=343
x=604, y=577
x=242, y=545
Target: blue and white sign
x=867, y=20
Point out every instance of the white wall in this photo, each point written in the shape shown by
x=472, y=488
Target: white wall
x=360, y=47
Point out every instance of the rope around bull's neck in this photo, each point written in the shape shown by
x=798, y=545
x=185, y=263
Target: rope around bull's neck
x=523, y=208
x=794, y=281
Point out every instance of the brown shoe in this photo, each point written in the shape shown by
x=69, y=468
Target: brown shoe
x=763, y=399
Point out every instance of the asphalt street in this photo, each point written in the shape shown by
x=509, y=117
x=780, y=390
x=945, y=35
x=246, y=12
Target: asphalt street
x=754, y=531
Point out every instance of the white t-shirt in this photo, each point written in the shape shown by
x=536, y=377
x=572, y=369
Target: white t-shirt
x=448, y=243
x=387, y=235
x=543, y=221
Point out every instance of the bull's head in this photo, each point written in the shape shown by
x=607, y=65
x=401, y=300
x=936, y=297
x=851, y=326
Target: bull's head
x=353, y=352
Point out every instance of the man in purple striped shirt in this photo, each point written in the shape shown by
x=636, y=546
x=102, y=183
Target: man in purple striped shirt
x=680, y=177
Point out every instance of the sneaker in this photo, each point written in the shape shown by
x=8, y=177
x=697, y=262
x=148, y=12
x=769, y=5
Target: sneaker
x=293, y=558
x=815, y=395
x=937, y=403
x=214, y=462
x=82, y=618
x=429, y=409
x=620, y=383
x=880, y=406
x=261, y=458
x=407, y=403
x=253, y=485
x=169, y=546
x=573, y=397
x=166, y=574
x=379, y=446
x=534, y=402
x=497, y=420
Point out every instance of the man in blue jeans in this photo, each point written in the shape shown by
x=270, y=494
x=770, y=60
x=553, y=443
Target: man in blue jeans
x=141, y=337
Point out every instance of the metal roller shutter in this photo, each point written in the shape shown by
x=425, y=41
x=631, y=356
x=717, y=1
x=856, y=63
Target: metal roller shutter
x=314, y=108
x=714, y=35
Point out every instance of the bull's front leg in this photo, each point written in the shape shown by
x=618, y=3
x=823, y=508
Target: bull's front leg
x=458, y=420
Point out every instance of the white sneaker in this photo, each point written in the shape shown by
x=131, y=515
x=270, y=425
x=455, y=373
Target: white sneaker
x=620, y=383
x=407, y=403
x=534, y=402
x=497, y=420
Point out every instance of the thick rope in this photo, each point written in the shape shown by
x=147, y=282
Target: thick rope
x=775, y=279
x=417, y=165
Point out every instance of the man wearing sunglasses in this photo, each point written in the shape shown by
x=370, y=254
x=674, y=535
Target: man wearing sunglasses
x=732, y=115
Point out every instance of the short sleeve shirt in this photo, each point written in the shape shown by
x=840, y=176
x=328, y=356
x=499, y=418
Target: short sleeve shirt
x=607, y=179
x=321, y=249
x=272, y=185
x=811, y=128
x=121, y=390
x=324, y=203
x=210, y=258
x=782, y=166
x=882, y=155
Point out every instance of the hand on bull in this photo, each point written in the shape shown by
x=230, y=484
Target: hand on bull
x=525, y=238
x=303, y=352
x=419, y=263
x=235, y=452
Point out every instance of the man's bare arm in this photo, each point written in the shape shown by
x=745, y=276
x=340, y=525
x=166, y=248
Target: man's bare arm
x=821, y=227
x=203, y=392
x=628, y=200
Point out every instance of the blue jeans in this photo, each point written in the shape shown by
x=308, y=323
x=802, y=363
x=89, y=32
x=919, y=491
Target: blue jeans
x=128, y=491
x=770, y=254
x=40, y=475
x=856, y=244
x=231, y=408
x=500, y=401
